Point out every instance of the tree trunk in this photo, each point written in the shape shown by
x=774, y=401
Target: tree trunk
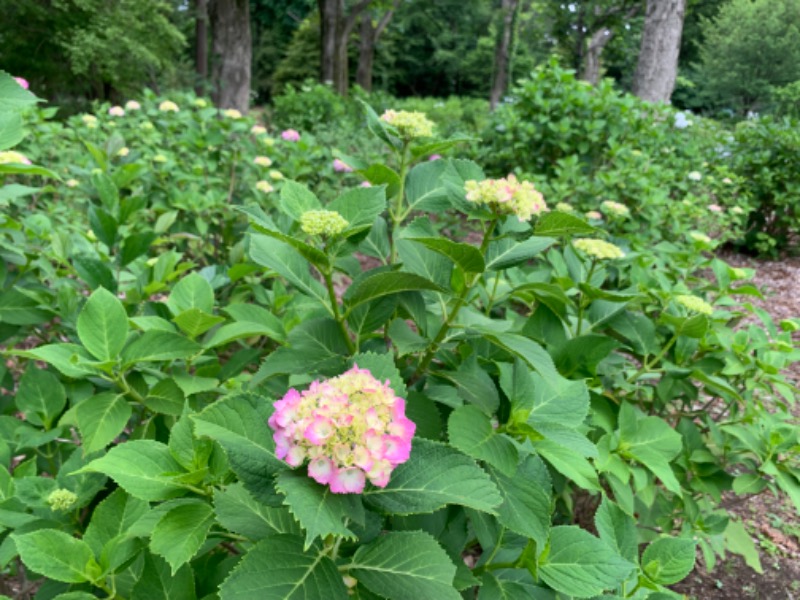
x=592, y=64
x=232, y=53
x=329, y=17
x=658, y=58
x=201, y=49
x=501, y=53
x=368, y=41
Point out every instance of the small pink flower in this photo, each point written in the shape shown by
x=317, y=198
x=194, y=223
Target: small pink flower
x=22, y=82
x=434, y=157
x=379, y=473
x=116, y=111
x=341, y=166
x=321, y=470
x=365, y=184
x=348, y=481
x=295, y=456
x=397, y=449
x=715, y=208
x=318, y=431
x=291, y=135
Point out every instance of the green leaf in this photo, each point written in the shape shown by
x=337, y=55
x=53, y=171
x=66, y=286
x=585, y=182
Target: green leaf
x=385, y=284
x=738, y=541
x=12, y=169
x=527, y=500
x=101, y=419
x=94, y=272
x=12, y=191
x=18, y=309
x=652, y=442
x=193, y=291
x=507, y=253
x=165, y=397
x=107, y=190
x=569, y=463
x=316, y=508
x=435, y=475
x=668, y=560
x=526, y=349
x=239, y=424
x=134, y=246
x=286, y=262
x=424, y=188
x=157, y=345
x=494, y=588
x=158, y=582
x=103, y=225
x=558, y=401
x=360, y=206
x=13, y=96
x=180, y=533
x=471, y=431
x=40, y=396
x=581, y=565
x=103, y=325
x=57, y=555
x=581, y=355
x=113, y=517
x=194, y=321
x=405, y=565
x=383, y=368
x=474, y=386
x=377, y=127
x=638, y=329
x=64, y=357
x=11, y=131
x=466, y=256
x=556, y=224
x=278, y=568
x=296, y=199
x=143, y=468
x=617, y=529
x=238, y=511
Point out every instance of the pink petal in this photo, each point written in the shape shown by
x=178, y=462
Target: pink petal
x=319, y=431
x=348, y=481
x=295, y=456
x=397, y=449
x=321, y=470
x=402, y=428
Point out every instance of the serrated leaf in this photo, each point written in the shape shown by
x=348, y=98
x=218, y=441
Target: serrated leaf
x=570, y=463
x=103, y=325
x=165, y=397
x=383, y=368
x=651, y=441
x=555, y=224
x=40, y=396
x=668, y=560
x=617, y=529
x=360, y=207
x=112, y=517
x=158, y=345
x=181, y=531
x=286, y=262
x=18, y=309
x=194, y=321
x=158, y=582
x=435, y=475
x=319, y=511
x=278, y=568
x=471, y=431
x=507, y=253
x=57, y=555
x=738, y=541
x=101, y=419
x=405, y=565
x=142, y=468
x=558, y=401
x=527, y=503
x=13, y=96
x=385, y=284
x=296, y=199
x=466, y=256
x=238, y=511
x=581, y=565
x=193, y=291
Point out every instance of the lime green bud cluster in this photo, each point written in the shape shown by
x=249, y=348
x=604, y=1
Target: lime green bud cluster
x=409, y=125
x=507, y=196
x=564, y=207
x=615, y=208
x=62, y=500
x=695, y=304
x=700, y=237
x=598, y=248
x=323, y=222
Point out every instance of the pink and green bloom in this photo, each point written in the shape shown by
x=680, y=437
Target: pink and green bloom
x=351, y=429
x=341, y=167
x=23, y=83
x=291, y=135
x=507, y=196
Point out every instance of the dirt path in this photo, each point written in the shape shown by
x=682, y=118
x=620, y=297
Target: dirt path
x=773, y=523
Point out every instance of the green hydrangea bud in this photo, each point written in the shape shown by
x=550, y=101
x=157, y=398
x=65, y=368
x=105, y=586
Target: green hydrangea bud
x=615, y=208
x=695, y=304
x=598, y=248
x=62, y=500
x=409, y=125
x=323, y=222
x=564, y=207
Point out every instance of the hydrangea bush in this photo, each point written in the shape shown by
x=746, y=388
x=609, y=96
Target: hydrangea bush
x=427, y=387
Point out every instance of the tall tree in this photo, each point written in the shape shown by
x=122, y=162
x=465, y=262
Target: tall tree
x=369, y=32
x=336, y=25
x=201, y=46
x=607, y=24
x=502, y=55
x=233, y=51
x=657, y=68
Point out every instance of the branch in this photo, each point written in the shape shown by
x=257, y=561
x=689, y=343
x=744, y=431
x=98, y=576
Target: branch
x=385, y=20
x=350, y=23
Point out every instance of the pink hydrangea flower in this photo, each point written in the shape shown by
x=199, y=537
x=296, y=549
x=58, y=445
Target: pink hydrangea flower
x=22, y=82
x=341, y=167
x=366, y=184
x=116, y=111
x=715, y=208
x=434, y=157
x=351, y=429
x=291, y=135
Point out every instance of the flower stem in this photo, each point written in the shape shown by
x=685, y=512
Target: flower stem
x=336, y=313
x=396, y=213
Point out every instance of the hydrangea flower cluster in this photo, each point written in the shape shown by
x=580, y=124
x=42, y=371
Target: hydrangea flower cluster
x=350, y=428
x=258, y=130
x=13, y=157
x=90, y=121
x=23, y=83
x=72, y=183
x=507, y=196
x=700, y=237
x=199, y=103
x=62, y=500
x=323, y=222
x=291, y=135
x=564, y=207
x=695, y=175
x=341, y=167
x=695, y=304
x=263, y=161
x=232, y=113
x=598, y=248
x=169, y=106
x=615, y=208
x=594, y=215
x=264, y=186
x=116, y=111
x=409, y=125
x=132, y=105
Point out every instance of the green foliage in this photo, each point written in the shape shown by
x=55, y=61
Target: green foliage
x=154, y=310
